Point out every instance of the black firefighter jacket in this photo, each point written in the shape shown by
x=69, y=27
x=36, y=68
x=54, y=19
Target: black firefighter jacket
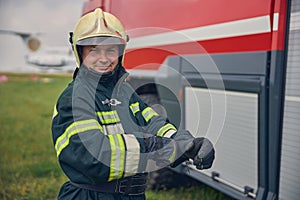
x=97, y=126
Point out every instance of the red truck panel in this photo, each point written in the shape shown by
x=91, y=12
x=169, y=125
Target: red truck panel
x=184, y=14
x=209, y=26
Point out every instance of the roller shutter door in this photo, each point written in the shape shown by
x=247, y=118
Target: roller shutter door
x=290, y=160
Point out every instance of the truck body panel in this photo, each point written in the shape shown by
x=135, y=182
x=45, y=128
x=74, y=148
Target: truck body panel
x=227, y=70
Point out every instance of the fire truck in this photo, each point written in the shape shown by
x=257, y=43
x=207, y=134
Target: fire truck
x=228, y=70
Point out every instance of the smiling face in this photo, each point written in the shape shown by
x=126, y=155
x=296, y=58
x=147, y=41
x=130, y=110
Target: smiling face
x=101, y=58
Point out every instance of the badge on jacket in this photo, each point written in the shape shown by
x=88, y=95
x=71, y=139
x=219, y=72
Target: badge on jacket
x=111, y=102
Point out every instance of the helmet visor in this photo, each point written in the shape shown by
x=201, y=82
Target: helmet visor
x=100, y=41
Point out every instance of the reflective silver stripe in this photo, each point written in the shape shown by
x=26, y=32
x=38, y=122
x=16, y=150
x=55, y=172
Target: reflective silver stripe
x=169, y=133
x=135, y=107
x=132, y=155
x=108, y=117
x=75, y=128
x=119, y=128
x=113, y=129
x=148, y=113
x=163, y=130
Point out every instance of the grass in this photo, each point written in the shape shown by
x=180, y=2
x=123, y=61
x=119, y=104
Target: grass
x=28, y=164
x=200, y=192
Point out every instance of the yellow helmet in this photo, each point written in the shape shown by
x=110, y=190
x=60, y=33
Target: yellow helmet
x=96, y=28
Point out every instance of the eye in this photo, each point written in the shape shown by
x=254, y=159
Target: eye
x=111, y=50
x=93, y=49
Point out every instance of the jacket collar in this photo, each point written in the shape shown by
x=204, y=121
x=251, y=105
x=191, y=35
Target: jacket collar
x=99, y=77
x=111, y=79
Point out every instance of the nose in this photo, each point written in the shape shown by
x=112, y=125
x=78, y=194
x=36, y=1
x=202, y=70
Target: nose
x=102, y=57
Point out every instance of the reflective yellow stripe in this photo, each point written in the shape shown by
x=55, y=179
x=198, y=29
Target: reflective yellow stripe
x=122, y=155
x=108, y=117
x=148, y=113
x=54, y=112
x=172, y=158
x=75, y=128
x=161, y=132
x=118, y=166
x=135, y=107
x=117, y=157
x=113, y=157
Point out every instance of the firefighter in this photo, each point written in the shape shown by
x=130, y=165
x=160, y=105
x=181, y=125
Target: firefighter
x=103, y=133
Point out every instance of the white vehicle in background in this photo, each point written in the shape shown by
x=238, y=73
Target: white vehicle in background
x=45, y=57
x=51, y=57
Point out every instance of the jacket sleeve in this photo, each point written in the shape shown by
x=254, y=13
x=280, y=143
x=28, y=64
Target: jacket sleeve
x=85, y=153
x=158, y=125
x=149, y=120
x=152, y=122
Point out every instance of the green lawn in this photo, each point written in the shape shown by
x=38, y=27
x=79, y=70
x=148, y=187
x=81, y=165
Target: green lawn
x=28, y=164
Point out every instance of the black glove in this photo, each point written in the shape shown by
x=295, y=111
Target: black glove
x=202, y=152
x=160, y=149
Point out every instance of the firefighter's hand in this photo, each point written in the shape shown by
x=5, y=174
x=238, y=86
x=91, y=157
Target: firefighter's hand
x=202, y=152
x=160, y=149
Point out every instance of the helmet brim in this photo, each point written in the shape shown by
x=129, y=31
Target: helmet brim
x=103, y=40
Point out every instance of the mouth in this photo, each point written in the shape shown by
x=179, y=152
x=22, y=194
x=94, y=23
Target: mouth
x=101, y=68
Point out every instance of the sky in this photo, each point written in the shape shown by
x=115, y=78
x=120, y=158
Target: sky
x=53, y=18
